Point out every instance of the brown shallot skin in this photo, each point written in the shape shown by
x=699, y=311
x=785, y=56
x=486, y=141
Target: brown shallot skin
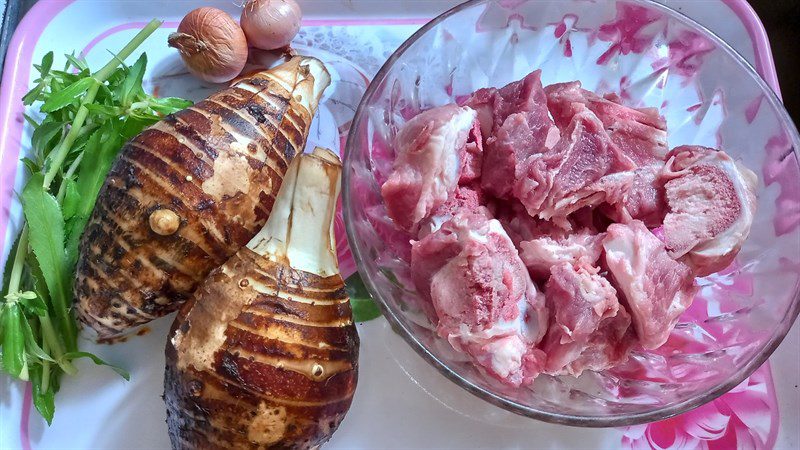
x=218, y=166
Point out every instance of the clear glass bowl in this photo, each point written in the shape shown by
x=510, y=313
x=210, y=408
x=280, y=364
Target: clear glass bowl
x=650, y=55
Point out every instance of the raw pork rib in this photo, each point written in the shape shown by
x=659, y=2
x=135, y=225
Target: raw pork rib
x=657, y=288
x=712, y=202
x=559, y=182
x=641, y=134
x=643, y=199
x=486, y=304
x=469, y=198
x=431, y=151
x=515, y=124
x=588, y=325
x=542, y=253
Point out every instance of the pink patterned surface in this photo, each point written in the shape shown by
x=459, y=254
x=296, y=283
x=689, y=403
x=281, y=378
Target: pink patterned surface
x=744, y=418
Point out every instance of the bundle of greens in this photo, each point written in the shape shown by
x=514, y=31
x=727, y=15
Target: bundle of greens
x=87, y=117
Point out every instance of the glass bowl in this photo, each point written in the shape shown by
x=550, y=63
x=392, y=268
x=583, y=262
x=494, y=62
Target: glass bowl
x=649, y=55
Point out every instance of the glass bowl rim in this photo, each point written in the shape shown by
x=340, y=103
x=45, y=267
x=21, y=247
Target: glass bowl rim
x=593, y=421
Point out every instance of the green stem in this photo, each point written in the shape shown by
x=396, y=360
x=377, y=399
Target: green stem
x=49, y=335
x=62, y=188
x=45, y=368
x=100, y=76
x=19, y=261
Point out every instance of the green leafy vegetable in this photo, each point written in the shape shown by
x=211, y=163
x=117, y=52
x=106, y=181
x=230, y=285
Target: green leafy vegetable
x=14, y=341
x=68, y=95
x=75, y=355
x=43, y=393
x=364, y=307
x=46, y=225
x=85, y=118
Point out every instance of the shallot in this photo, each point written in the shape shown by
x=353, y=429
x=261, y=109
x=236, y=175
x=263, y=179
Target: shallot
x=211, y=44
x=270, y=24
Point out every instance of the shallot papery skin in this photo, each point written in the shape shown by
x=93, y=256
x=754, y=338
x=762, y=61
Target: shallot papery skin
x=270, y=24
x=211, y=44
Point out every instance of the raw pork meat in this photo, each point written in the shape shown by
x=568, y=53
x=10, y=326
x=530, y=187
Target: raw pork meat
x=469, y=198
x=558, y=182
x=657, y=288
x=643, y=199
x=519, y=225
x=588, y=325
x=485, y=303
x=431, y=150
x=515, y=124
x=542, y=253
x=711, y=206
x=641, y=134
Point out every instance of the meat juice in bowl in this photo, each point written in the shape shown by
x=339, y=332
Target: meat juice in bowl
x=562, y=249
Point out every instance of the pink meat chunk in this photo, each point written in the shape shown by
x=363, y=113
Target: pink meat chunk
x=430, y=153
x=542, y=253
x=519, y=225
x=641, y=134
x=712, y=202
x=485, y=303
x=466, y=199
x=515, y=124
x=657, y=288
x=589, y=328
x=560, y=181
x=643, y=199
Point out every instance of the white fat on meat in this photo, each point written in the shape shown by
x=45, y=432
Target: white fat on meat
x=656, y=288
x=712, y=202
x=482, y=298
x=542, y=253
x=427, y=168
x=589, y=328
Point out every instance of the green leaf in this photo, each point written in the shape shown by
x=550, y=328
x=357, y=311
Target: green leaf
x=14, y=361
x=31, y=165
x=101, y=149
x=68, y=95
x=10, y=265
x=35, y=305
x=46, y=228
x=76, y=355
x=30, y=121
x=47, y=63
x=133, y=80
x=33, y=95
x=364, y=308
x=39, y=286
x=105, y=110
x=44, y=400
x=71, y=200
x=78, y=63
x=32, y=344
x=44, y=134
x=169, y=105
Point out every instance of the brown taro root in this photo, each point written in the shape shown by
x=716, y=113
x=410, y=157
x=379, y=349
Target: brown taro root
x=265, y=353
x=188, y=192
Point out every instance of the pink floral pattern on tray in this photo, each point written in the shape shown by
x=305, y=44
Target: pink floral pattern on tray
x=744, y=418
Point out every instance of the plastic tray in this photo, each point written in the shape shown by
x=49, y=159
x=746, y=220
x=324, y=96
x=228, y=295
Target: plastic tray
x=401, y=402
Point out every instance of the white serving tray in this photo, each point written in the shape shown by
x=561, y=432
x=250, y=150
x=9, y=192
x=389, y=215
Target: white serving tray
x=401, y=402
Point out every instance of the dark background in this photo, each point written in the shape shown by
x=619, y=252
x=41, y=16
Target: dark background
x=782, y=20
